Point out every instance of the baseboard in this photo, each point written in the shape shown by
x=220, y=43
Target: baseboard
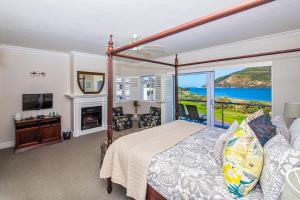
x=8, y=144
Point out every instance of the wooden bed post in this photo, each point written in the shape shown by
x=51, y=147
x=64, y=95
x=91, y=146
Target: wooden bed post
x=176, y=89
x=109, y=99
x=109, y=90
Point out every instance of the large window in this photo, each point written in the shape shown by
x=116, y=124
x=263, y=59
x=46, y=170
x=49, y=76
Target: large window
x=122, y=88
x=240, y=91
x=148, y=88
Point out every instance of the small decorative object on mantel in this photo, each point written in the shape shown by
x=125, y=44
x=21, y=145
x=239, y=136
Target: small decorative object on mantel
x=35, y=74
x=136, y=105
x=53, y=114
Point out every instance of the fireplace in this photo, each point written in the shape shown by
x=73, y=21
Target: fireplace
x=91, y=117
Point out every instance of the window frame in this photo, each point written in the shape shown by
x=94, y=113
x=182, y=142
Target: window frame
x=152, y=87
x=125, y=84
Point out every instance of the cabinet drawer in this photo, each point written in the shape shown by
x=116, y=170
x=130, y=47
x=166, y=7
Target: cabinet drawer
x=50, y=132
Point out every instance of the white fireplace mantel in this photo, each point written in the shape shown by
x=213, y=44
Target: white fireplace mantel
x=81, y=101
x=75, y=96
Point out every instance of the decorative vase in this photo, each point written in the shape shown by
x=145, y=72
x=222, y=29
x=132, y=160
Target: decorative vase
x=136, y=105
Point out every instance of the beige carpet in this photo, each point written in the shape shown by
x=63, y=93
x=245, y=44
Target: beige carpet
x=68, y=170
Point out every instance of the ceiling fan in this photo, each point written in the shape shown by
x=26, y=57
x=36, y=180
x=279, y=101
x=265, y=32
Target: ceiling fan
x=144, y=50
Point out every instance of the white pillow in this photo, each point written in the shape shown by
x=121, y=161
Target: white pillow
x=279, y=158
x=296, y=144
x=219, y=148
x=281, y=127
x=295, y=131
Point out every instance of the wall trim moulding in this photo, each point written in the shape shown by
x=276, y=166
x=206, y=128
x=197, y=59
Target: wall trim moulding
x=8, y=144
x=88, y=54
x=246, y=64
x=103, y=57
x=7, y=46
x=74, y=96
x=264, y=37
x=240, y=42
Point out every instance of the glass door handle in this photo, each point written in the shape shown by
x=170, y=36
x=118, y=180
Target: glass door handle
x=212, y=103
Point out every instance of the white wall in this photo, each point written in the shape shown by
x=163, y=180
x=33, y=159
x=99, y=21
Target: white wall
x=15, y=80
x=86, y=62
x=286, y=82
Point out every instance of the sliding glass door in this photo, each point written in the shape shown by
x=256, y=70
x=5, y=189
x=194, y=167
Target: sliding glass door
x=218, y=98
x=196, y=97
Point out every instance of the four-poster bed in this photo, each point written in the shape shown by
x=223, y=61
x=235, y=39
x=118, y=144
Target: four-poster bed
x=111, y=52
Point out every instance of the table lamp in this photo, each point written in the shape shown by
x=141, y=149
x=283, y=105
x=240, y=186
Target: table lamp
x=292, y=110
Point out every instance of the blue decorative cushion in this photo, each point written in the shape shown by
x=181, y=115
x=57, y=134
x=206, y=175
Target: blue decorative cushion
x=263, y=119
x=263, y=132
x=263, y=128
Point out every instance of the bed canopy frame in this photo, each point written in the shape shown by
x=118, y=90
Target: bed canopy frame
x=111, y=52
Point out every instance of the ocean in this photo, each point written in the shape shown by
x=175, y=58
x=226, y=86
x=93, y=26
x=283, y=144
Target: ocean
x=253, y=94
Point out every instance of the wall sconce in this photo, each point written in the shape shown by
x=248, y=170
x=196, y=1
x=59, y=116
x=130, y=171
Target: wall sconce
x=35, y=74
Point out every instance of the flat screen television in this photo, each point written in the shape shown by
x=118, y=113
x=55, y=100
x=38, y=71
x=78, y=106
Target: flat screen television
x=37, y=101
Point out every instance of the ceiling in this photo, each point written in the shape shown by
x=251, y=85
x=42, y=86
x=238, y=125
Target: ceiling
x=84, y=25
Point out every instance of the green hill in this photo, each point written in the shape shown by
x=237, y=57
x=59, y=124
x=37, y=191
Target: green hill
x=253, y=77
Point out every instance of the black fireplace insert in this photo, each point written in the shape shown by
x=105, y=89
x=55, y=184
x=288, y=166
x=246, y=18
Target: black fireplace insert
x=91, y=117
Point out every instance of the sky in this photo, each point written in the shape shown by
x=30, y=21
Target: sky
x=199, y=79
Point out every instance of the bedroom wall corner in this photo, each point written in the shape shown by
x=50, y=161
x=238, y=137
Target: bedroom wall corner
x=286, y=82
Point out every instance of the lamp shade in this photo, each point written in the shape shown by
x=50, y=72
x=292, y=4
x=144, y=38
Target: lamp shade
x=292, y=110
x=291, y=188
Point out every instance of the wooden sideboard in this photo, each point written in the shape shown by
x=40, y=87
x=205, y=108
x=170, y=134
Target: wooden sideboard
x=35, y=132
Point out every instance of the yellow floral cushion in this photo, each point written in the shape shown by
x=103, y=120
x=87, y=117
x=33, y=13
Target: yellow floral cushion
x=243, y=161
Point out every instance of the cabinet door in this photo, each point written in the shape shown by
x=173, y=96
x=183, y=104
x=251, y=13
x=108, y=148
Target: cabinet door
x=27, y=137
x=50, y=132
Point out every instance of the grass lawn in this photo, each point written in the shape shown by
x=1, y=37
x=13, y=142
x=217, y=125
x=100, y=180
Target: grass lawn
x=229, y=116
